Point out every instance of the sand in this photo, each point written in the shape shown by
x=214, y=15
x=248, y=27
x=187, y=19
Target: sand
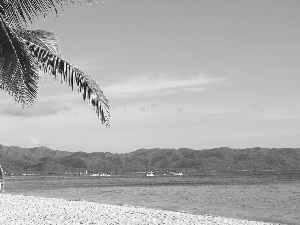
x=18, y=209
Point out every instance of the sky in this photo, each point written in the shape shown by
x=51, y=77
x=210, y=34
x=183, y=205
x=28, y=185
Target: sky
x=194, y=74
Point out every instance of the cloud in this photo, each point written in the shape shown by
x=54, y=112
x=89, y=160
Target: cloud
x=42, y=108
x=180, y=110
x=146, y=108
x=159, y=84
x=4, y=143
x=278, y=117
x=34, y=142
x=259, y=106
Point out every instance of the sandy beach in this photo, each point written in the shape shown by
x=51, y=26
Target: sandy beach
x=18, y=209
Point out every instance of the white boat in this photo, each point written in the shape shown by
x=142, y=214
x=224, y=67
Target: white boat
x=100, y=175
x=104, y=175
x=95, y=175
x=150, y=174
x=178, y=174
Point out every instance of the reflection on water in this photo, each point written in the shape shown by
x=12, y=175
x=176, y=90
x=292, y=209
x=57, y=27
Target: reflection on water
x=262, y=198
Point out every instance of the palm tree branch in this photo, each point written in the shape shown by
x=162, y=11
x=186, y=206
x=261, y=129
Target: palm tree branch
x=54, y=65
x=18, y=74
x=21, y=12
x=45, y=39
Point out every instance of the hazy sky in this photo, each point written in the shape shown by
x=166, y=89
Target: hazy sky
x=196, y=74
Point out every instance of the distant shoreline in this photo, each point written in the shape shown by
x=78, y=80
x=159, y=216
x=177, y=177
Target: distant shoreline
x=43, y=160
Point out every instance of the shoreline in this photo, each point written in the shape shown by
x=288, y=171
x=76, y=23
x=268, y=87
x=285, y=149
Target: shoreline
x=21, y=209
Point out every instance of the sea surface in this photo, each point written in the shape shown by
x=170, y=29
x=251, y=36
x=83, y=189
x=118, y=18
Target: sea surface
x=268, y=196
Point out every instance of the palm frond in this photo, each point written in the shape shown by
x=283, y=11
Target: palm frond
x=21, y=12
x=18, y=74
x=2, y=12
x=49, y=39
x=54, y=65
x=45, y=39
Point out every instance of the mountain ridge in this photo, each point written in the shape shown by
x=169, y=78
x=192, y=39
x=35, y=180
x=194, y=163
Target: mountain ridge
x=43, y=160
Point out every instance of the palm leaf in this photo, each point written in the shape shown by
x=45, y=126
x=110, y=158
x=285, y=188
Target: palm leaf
x=18, y=73
x=21, y=12
x=54, y=65
x=45, y=39
x=24, y=52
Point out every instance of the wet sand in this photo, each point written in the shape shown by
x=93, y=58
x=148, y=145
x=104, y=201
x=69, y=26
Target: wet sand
x=18, y=209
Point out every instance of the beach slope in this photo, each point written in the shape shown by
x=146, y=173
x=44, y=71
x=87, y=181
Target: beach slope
x=18, y=209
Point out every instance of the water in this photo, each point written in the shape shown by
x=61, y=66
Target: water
x=264, y=198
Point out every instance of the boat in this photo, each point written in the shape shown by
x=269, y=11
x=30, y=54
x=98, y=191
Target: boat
x=95, y=175
x=150, y=174
x=104, y=175
x=100, y=175
x=178, y=174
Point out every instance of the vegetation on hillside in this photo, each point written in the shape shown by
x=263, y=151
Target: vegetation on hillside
x=42, y=160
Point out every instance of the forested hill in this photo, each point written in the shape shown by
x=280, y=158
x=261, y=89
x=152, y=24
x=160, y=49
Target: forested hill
x=42, y=160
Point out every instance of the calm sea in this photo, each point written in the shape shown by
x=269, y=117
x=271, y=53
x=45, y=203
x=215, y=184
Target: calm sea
x=269, y=196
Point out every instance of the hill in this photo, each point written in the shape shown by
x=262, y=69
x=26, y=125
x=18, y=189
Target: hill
x=42, y=160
